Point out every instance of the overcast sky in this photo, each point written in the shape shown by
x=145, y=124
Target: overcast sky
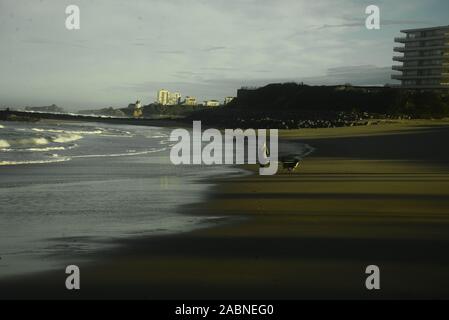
x=127, y=50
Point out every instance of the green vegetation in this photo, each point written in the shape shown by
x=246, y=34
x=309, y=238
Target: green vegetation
x=427, y=104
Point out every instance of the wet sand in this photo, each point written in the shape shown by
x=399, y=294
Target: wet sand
x=373, y=195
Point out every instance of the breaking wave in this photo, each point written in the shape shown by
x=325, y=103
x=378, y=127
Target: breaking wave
x=23, y=142
x=68, y=137
x=40, y=141
x=46, y=149
x=33, y=141
x=30, y=141
x=29, y=145
x=14, y=163
x=130, y=153
x=68, y=131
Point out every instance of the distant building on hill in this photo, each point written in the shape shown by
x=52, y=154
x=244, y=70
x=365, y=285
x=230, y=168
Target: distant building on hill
x=167, y=98
x=174, y=99
x=163, y=97
x=425, y=59
x=211, y=103
x=190, y=101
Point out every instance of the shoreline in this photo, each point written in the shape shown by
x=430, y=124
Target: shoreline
x=19, y=258
x=296, y=235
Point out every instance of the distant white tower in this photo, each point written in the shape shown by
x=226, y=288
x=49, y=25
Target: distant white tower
x=174, y=98
x=138, y=112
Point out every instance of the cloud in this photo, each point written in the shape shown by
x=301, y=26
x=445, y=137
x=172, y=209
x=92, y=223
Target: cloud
x=203, y=48
x=364, y=75
x=171, y=51
x=47, y=42
x=214, y=48
x=361, y=24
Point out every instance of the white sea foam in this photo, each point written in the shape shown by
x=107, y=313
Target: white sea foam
x=68, y=131
x=29, y=141
x=1, y=127
x=121, y=154
x=4, y=144
x=44, y=149
x=63, y=138
x=37, y=149
x=118, y=136
x=15, y=163
x=44, y=130
x=40, y=141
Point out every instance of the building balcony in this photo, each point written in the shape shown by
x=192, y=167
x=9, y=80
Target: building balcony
x=420, y=48
x=432, y=67
x=402, y=58
x=432, y=87
x=399, y=49
x=417, y=39
x=400, y=39
x=402, y=77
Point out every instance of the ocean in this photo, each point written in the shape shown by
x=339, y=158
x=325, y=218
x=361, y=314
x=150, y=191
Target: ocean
x=69, y=189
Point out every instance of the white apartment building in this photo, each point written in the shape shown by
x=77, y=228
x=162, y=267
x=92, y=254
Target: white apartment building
x=163, y=97
x=211, y=103
x=190, y=101
x=424, y=59
x=174, y=99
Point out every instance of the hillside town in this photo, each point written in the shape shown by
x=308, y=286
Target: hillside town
x=167, y=98
x=175, y=100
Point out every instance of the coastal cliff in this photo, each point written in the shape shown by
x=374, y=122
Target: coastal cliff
x=292, y=105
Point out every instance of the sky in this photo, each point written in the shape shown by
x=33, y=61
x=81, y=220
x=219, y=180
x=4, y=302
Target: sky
x=127, y=50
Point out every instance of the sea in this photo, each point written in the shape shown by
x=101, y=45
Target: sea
x=69, y=189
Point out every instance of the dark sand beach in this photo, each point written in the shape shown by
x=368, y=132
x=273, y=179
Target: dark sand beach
x=370, y=195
